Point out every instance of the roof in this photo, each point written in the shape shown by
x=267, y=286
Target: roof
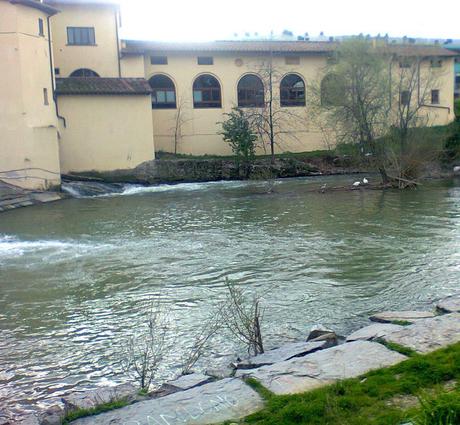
x=36, y=5
x=262, y=46
x=266, y=46
x=102, y=86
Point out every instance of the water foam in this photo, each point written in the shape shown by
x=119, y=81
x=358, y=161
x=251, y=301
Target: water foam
x=11, y=246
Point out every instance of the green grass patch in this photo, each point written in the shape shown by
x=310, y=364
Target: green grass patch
x=367, y=400
x=397, y=347
x=401, y=322
x=439, y=409
x=105, y=407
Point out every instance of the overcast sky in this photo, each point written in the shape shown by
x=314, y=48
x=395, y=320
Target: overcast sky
x=199, y=20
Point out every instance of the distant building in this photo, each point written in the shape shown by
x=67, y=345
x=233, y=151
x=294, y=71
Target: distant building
x=75, y=98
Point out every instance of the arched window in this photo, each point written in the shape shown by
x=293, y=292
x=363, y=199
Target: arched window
x=250, y=92
x=206, y=92
x=84, y=72
x=163, y=92
x=332, y=90
x=292, y=91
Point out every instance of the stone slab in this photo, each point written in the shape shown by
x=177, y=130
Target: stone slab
x=407, y=316
x=46, y=197
x=324, y=367
x=207, y=404
x=186, y=382
x=450, y=304
x=376, y=330
x=286, y=352
x=89, y=399
x=429, y=334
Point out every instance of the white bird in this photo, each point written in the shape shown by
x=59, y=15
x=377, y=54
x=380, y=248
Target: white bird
x=356, y=184
x=365, y=181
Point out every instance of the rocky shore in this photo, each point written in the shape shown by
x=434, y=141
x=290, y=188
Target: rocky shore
x=223, y=395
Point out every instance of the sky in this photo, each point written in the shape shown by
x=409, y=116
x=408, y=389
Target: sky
x=203, y=20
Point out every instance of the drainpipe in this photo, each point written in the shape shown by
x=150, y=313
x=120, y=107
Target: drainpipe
x=118, y=43
x=53, y=89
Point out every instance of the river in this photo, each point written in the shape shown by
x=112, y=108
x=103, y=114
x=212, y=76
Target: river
x=76, y=276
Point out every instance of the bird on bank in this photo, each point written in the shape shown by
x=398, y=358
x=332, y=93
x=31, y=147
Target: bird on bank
x=356, y=184
x=365, y=181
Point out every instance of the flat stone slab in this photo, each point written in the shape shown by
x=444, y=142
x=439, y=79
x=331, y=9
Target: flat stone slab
x=186, y=382
x=324, y=367
x=207, y=404
x=429, y=334
x=46, y=197
x=403, y=316
x=89, y=399
x=286, y=352
x=376, y=330
x=450, y=304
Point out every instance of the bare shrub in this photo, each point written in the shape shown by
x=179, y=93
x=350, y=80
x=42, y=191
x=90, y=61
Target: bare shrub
x=242, y=315
x=145, y=351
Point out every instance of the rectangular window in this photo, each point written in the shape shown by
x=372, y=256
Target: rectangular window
x=205, y=60
x=81, y=36
x=435, y=97
x=436, y=63
x=292, y=60
x=45, y=97
x=159, y=60
x=405, y=98
x=41, y=27
x=57, y=71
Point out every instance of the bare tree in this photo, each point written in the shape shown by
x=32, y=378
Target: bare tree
x=242, y=315
x=371, y=102
x=271, y=122
x=180, y=119
x=145, y=351
x=201, y=342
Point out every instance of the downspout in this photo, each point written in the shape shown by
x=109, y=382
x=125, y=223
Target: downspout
x=53, y=89
x=118, y=43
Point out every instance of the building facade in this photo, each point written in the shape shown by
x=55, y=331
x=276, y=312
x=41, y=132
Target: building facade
x=75, y=98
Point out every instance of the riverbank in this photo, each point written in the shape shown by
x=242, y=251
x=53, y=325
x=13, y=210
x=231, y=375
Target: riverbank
x=262, y=386
x=12, y=197
x=177, y=169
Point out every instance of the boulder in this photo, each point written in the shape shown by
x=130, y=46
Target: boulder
x=317, y=331
x=401, y=316
x=456, y=170
x=186, y=382
x=216, y=402
x=285, y=352
x=89, y=399
x=324, y=367
x=374, y=331
x=429, y=334
x=449, y=304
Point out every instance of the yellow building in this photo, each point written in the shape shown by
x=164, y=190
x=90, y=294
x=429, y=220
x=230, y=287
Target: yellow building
x=76, y=98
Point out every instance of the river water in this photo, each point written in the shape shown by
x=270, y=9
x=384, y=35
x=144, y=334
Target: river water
x=76, y=276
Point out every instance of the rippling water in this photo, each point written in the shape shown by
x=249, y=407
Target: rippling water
x=76, y=276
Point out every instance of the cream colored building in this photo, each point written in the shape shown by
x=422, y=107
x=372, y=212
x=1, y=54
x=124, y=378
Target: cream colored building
x=75, y=98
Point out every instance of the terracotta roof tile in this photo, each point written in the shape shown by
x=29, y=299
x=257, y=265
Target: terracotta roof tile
x=102, y=86
x=261, y=46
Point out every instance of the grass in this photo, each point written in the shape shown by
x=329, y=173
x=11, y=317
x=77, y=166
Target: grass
x=368, y=400
x=105, y=407
x=401, y=322
x=397, y=347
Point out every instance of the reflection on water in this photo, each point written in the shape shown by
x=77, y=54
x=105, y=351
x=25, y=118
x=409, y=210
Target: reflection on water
x=75, y=276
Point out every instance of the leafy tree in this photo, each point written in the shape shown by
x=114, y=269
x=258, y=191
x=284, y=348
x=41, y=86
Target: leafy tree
x=237, y=132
